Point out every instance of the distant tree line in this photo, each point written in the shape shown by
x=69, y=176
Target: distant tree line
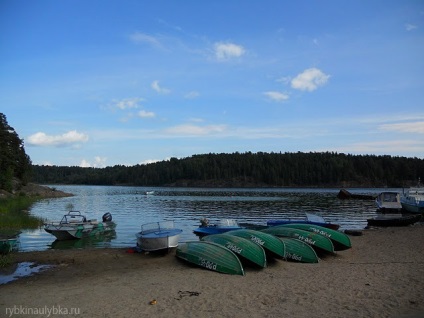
x=324, y=169
x=15, y=164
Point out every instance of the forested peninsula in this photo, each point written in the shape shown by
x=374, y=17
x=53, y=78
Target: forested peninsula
x=323, y=169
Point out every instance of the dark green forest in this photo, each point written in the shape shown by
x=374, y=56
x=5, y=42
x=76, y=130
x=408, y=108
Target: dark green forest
x=15, y=164
x=324, y=169
x=249, y=170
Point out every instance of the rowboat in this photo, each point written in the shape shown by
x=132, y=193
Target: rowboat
x=74, y=225
x=317, y=241
x=310, y=218
x=222, y=226
x=269, y=243
x=388, y=201
x=394, y=220
x=242, y=247
x=299, y=251
x=211, y=256
x=8, y=241
x=340, y=240
x=158, y=236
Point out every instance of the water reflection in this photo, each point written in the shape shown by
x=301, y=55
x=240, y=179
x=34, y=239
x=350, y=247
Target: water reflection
x=131, y=207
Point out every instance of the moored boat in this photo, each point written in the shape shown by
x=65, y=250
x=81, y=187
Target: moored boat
x=74, y=225
x=413, y=199
x=388, y=201
x=158, y=236
x=211, y=256
x=317, y=241
x=389, y=220
x=222, y=226
x=299, y=251
x=241, y=246
x=340, y=240
x=269, y=243
x=310, y=218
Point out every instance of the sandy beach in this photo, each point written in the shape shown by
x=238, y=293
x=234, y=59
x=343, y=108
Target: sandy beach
x=382, y=275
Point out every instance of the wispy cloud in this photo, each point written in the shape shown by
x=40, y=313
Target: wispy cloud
x=142, y=38
x=195, y=130
x=410, y=27
x=192, y=95
x=145, y=114
x=126, y=103
x=276, y=96
x=160, y=90
x=226, y=51
x=309, y=80
x=70, y=138
x=412, y=127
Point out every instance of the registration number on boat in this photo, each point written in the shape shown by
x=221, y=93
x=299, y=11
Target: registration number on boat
x=257, y=240
x=306, y=240
x=234, y=248
x=207, y=264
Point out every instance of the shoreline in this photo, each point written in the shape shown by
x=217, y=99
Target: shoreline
x=382, y=275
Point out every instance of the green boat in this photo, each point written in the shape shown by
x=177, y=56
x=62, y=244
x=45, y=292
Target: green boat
x=211, y=256
x=269, y=242
x=7, y=245
x=340, y=240
x=317, y=241
x=241, y=246
x=299, y=251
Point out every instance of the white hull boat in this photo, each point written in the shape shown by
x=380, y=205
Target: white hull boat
x=74, y=225
x=413, y=199
x=388, y=201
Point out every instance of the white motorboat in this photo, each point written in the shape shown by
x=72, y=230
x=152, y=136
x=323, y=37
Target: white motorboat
x=74, y=225
x=413, y=199
x=388, y=201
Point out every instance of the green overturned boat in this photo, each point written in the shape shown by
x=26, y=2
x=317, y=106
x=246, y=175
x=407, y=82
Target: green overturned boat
x=241, y=246
x=299, y=251
x=340, y=240
x=317, y=241
x=269, y=242
x=211, y=256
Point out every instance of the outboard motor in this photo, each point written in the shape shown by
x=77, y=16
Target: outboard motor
x=107, y=217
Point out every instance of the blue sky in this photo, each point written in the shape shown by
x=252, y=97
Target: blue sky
x=103, y=83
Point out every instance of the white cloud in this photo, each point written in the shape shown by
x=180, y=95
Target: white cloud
x=226, y=51
x=414, y=127
x=127, y=103
x=191, y=95
x=138, y=37
x=276, y=96
x=196, y=130
x=309, y=80
x=70, y=138
x=160, y=90
x=99, y=162
x=145, y=114
x=410, y=27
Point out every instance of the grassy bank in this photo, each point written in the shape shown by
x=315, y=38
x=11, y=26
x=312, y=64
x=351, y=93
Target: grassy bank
x=14, y=213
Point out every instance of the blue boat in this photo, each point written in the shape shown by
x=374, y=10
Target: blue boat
x=220, y=227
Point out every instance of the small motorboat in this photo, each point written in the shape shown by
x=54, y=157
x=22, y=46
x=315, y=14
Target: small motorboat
x=413, y=199
x=222, y=226
x=388, y=201
x=158, y=236
x=74, y=225
x=394, y=220
x=310, y=218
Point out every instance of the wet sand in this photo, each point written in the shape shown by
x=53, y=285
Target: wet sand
x=382, y=275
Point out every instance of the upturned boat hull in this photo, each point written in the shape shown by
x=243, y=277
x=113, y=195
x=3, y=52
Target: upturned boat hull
x=388, y=221
x=317, y=241
x=299, y=251
x=340, y=240
x=241, y=246
x=211, y=256
x=270, y=243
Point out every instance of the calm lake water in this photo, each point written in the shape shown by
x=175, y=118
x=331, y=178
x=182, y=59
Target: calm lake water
x=131, y=207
